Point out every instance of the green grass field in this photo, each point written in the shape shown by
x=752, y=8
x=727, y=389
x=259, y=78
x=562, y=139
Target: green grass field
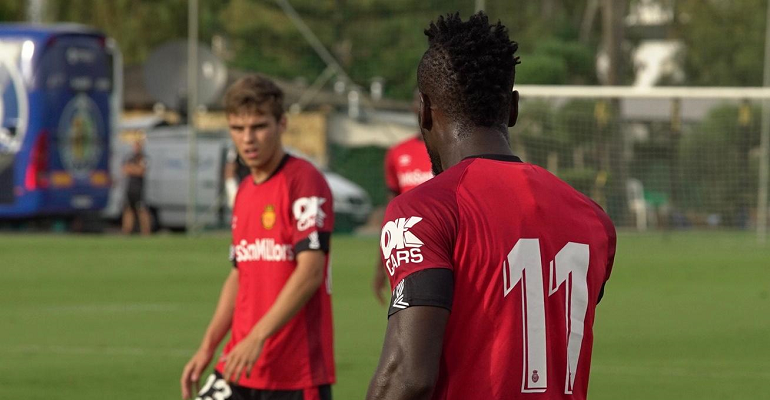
x=685, y=316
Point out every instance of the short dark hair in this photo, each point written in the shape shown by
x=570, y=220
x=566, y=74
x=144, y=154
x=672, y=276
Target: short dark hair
x=469, y=68
x=254, y=94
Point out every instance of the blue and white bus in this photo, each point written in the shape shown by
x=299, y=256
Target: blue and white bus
x=59, y=99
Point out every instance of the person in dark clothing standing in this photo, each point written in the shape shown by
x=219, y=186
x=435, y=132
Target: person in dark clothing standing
x=135, y=168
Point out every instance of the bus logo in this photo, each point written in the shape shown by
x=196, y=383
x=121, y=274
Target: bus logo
x=79, y=141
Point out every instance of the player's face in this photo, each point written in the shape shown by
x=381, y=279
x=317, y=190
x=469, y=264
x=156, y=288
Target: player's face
x=257, y=137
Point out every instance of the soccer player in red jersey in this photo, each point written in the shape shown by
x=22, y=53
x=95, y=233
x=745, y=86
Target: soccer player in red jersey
x=406, y=166
x=276, y=301
x=496, y=265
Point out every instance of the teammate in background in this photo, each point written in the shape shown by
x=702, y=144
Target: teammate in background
x=518, y=256
x=406, y=166
x=276, y=301
x=135, y=168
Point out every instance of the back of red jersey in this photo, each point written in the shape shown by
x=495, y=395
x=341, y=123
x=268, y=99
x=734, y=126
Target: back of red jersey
x=529, y=257
x=407, y=165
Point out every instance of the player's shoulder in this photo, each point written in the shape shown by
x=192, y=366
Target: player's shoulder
x=301, y=174
x=602, y=216
x=299, y=168
x=598, y=211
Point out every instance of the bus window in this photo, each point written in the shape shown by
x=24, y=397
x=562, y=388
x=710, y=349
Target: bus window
x=13, y=99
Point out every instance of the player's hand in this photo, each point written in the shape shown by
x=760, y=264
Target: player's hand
x=378, y=283
x=192, y=372
x=242, y=358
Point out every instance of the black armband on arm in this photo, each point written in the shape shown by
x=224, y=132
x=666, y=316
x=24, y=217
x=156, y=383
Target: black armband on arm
x=429, y=287
x=315, y=241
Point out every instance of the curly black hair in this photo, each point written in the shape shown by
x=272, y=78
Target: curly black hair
x=469, y=68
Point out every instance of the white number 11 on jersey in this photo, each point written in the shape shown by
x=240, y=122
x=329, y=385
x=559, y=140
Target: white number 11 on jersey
x=523, y=265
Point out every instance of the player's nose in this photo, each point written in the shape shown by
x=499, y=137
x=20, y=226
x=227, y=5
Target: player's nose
x=250, y=136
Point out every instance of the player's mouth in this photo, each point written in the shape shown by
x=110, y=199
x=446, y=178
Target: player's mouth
x=250, y=153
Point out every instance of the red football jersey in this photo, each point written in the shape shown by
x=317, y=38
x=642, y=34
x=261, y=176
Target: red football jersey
x=407, y=165
x=273, y=221
x=528, y=256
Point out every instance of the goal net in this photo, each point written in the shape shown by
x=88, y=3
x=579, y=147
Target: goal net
x=656, y=158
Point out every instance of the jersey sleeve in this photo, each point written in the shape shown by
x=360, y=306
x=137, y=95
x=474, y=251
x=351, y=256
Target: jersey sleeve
x=391, y=176
x=312, y=211
x=609, y=230
x=417, y=249
x=611, y=246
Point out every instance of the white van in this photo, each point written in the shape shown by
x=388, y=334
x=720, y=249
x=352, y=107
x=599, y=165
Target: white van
x=166, y=190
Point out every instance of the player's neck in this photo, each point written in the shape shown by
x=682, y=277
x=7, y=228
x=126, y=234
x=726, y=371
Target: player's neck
x=263, y=173
x=480, y=140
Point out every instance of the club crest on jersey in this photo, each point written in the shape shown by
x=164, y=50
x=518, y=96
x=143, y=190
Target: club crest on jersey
x=308, y=213
x=268, y=217
x=399, y=245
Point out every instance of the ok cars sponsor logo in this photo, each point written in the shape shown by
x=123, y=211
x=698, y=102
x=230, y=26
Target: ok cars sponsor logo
x=308, y=213
x=399, y=245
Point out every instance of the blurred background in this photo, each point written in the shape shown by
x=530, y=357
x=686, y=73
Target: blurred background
x=653, y=156
x=657, y=109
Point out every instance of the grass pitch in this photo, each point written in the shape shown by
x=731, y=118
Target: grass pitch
x=685, y=316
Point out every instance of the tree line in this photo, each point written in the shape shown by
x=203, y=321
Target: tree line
x=559, y=39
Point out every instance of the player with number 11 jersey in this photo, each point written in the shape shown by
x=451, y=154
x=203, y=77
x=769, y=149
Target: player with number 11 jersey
x=496, y=265
x=527, y=276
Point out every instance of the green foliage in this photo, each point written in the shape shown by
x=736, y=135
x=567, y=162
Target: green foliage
x=541, y=69
x=726, y=184
x=11, y=11
x=137, y=25
x=579, y=59
x=370, y=38
x=724, y=41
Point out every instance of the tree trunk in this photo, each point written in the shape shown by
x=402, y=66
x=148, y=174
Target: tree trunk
x=587, y=23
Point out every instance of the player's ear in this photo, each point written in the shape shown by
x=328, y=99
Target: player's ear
x=514, y=113
x=282, y=123
x=425, y=115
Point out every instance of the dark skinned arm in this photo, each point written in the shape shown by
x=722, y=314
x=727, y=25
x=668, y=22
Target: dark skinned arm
x=409, y=364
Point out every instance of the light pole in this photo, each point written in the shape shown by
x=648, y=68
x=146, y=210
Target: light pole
x=192, y=102
x=764, y=157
